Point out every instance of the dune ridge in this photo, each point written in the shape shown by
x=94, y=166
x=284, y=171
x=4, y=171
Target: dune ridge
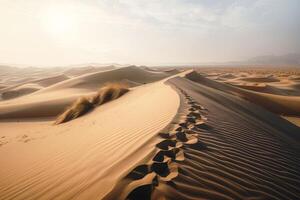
x=184, y=136
x=218, y=147
x=84, y=158
x=83, y=105
x=30, y=86
x=52, y=100
x=283, y=105
x=92, y=81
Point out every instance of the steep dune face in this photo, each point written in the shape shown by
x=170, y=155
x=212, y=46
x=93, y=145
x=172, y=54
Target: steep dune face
x=218, y=147
x=286, y=105
x=244, y=151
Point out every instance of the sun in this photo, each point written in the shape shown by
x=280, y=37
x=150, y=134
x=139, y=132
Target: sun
x=58, y=21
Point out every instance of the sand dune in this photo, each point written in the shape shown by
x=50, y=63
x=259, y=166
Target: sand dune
x=227, y=76
x=78, y=71
x=260, y=79
x=20, y=91
x=183, y=136
x=30, y=86
x=14, y=76
x=84, y=158
x=218, y=147
x=45, y=82
x=2, y=86
x=277, y=89
x=286, y=105
x=92, y=81
x=51, y=101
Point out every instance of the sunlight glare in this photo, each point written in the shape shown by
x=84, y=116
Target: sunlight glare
x=59, y=21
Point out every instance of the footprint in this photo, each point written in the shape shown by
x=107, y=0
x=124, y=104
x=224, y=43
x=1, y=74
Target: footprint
x=194, y=114
x=139, y=172
x=198, y=107
x=161, y=168
x=166, y=135
x=204, y=126
x=187, y=138
x=191, y=119
x=142, y=192
x=143, y=188
x=174, y=154
x=184, y=125
x=166, y=144
x=192, y=109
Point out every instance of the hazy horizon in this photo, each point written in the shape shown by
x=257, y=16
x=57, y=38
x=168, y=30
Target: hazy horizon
x=69, y=32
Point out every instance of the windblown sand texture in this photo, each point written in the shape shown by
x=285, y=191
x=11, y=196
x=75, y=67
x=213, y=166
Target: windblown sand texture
x=184, y=135
x=84, y=105
x=84, y=158
x=218, y=147
x=277, y=89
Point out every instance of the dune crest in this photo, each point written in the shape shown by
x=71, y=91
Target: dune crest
x=85, y=104
x=219, y=146
x=89, y=155
x=55, y=98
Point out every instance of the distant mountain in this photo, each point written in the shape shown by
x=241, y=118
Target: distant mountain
x=288, y=59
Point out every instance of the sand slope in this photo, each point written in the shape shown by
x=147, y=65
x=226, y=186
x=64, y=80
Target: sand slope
x=286, y=105
x=84, y=158
x=179, y=138
x=244, y=151
x=52, y=100
x=92, y=81
x=78, y=71
x=218, y=147
x=30, y=86
x=277, y=89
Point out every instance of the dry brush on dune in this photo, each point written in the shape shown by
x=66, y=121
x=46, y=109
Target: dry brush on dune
x=83, y=105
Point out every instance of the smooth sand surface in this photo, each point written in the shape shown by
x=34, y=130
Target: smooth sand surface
x=84, y=158
x=187, y=136
x=277, y=89
x=30, y=86
x=16, y=82
x=51, y=101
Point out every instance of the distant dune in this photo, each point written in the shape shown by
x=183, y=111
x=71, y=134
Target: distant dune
x=260, y=79
x=50, y=101
x=85, y=157
x=78, y=71
x=30, y=86
x=92, y=81
x=198, y=134
x=288, y=59
x=284, y=105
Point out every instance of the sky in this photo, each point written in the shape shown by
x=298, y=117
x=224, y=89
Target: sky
x=64, y=32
